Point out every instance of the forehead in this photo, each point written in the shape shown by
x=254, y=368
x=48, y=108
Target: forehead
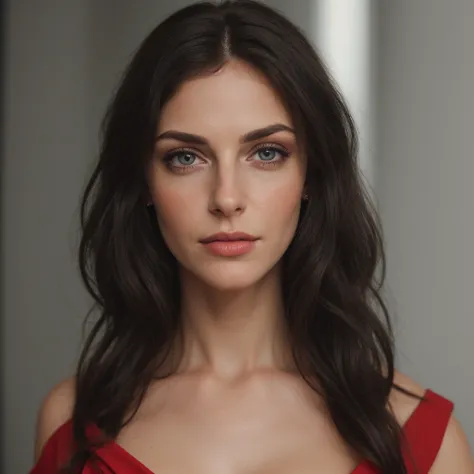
x=235, y=98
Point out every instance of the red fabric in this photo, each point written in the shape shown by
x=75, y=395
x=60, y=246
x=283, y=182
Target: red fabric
x=56, y=451
x=424, y=432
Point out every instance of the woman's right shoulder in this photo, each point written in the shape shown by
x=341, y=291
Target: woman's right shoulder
x=56, y=409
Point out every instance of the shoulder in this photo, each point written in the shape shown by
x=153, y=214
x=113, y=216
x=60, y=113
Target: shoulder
x=404, y=405
x=56, y=409
x=454, y=454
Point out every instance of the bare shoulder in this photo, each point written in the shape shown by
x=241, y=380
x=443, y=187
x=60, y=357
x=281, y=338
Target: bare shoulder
x=455, y=454
x=404, y=405
x=55, y=410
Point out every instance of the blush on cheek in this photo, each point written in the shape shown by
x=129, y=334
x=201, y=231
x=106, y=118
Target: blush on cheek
x=281, y=212
x=176, y=213
x=286, y=200
x=169, y=202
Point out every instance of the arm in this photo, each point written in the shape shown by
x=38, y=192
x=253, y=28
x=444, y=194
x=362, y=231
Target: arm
x=55, y=410
x=454, y=455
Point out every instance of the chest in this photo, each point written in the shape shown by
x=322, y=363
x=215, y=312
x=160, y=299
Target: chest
x=237, y=436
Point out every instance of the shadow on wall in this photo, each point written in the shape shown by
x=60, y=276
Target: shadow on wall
x=2, y=390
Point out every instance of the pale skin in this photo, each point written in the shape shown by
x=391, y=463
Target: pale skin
x=235, y=404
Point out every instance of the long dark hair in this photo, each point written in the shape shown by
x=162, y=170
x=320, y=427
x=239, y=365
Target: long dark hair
x=333, y=269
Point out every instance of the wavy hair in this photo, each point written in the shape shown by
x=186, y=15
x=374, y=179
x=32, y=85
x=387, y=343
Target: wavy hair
x=338, y=324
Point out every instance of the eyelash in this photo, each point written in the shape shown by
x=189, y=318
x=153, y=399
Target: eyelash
x=173, y=154
x=284, y=154
x=168, y=157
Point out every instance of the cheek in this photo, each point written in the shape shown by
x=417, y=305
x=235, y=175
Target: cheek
x=282, y=205
x=279, y=194
x=174, y=212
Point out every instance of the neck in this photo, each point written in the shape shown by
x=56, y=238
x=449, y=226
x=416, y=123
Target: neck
x=233, y=333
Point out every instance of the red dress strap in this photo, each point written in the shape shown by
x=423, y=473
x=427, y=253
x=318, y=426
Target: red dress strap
x=56, y=451
x=424, y=432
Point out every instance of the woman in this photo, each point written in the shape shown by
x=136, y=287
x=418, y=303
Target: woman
x=232, y=254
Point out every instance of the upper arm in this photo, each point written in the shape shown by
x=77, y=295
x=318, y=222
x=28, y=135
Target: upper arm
x=55, y=410
x=455, y=454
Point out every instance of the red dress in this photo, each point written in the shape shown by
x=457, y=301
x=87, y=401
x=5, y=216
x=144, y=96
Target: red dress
x=424, y=432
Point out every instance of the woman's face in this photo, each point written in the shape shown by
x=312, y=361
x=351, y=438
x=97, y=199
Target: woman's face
x=227, y=161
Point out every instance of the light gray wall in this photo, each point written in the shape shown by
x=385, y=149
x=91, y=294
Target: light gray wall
x=425, y=188
x=46, y=148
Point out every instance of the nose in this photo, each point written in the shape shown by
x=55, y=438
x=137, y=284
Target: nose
x=227, y=196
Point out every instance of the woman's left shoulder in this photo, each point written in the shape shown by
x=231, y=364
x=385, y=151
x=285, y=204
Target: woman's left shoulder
x=454, y=454
x=404, y=405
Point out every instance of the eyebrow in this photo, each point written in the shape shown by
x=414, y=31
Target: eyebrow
x=248, y=137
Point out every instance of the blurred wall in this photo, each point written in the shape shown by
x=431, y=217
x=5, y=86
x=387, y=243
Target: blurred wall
x=46, y=149
x=425, y=189
x=2, y=378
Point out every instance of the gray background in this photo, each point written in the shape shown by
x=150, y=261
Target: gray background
x=62, y=60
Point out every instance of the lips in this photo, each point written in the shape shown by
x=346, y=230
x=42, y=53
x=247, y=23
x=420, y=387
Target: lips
x=233, y=244
x=228, y=237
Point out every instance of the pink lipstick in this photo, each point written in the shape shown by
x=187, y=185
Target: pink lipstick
x=230, y=244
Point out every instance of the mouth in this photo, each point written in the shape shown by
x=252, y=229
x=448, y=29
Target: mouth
x=229, y=237
x=230, y=244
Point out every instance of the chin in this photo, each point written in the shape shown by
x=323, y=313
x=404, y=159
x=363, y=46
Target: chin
x=232, y=275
